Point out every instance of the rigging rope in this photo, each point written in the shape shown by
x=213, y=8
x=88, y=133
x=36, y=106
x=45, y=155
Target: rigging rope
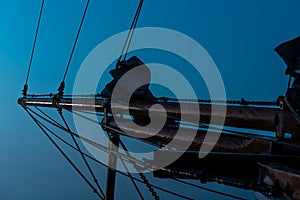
x=251, y=135
x=131, y=160
x=129, y=36
x=144, y=178
x=62, y=84
x=44, y=130
x=25, y=89
x=81, y=153
x=134, y=26
x=97, y=145
x=132, y=179
x=141, y=181
x=49, y=117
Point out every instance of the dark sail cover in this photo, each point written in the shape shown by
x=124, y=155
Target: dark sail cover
x=141, y=93
x=290, y=52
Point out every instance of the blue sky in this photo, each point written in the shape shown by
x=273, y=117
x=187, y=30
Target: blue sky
x=239, y=35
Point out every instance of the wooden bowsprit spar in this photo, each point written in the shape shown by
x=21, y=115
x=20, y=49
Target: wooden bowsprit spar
x=250, y=117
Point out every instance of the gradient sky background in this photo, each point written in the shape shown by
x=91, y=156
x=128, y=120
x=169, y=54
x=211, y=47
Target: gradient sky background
x=240, y=35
